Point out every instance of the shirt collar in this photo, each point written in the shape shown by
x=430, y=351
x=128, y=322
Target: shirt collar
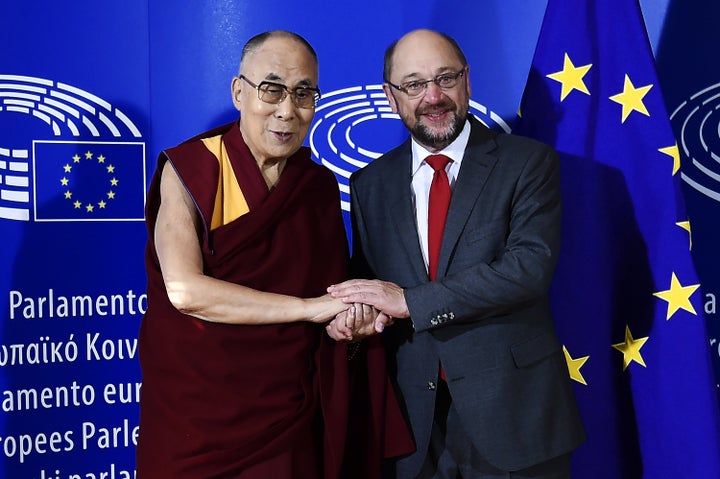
x=454, y=150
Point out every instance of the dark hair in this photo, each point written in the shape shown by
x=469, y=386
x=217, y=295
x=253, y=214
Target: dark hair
x=257, y=41
x=387, y=63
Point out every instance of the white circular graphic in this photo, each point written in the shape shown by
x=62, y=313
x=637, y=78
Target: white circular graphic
x=356, y=125
x=698, y=120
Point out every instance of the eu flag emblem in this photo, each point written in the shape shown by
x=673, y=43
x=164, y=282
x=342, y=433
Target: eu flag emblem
x=89, y=181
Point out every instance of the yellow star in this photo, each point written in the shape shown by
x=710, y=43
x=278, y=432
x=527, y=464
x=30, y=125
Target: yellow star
x=89, y=208
x=101, y=159
x=571, y=77
x=678, y=296
x=114, y=182
x=686, y=226
x=102, y=204
x=64, y=181
x=574, y=366
x=631, y=98
x=674, y=153
x=77, y=204
x=111, y=195
x=110, y=169
x=88, y=155
x=631, y=349
x=76, y=158
x=67, y=168
x=68, y=195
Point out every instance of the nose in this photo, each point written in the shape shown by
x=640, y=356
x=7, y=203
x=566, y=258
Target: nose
x=286, y=108
x=433, y=92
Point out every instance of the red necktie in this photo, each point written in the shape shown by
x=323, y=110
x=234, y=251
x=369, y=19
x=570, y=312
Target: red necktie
x=438, y=204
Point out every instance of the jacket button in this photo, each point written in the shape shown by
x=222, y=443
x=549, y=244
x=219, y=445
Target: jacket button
x=431, y=385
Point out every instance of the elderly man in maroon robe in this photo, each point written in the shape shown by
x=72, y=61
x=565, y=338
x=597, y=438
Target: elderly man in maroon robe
x=245, y=234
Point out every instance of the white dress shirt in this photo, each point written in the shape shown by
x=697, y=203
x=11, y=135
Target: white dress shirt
x=422, y=175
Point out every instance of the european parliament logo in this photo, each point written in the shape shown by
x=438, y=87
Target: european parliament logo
x=698, y=121
x=356, y=125
x=69, y=155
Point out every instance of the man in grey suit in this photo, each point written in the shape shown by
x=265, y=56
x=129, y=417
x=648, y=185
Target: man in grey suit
x=477, y=363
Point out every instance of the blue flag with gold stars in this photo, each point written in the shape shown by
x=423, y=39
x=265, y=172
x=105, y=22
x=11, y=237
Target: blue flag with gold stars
x=626, y=296
x=89, y=181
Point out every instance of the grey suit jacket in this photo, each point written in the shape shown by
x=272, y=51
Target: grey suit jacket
x=487, y=316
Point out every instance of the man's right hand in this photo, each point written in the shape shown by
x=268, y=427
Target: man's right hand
x=359, y=321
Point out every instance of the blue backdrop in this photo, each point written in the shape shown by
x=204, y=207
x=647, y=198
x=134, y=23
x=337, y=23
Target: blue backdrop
x=90, y=92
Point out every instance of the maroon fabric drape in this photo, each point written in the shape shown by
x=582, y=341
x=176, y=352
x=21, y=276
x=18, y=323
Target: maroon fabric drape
x=216, y=397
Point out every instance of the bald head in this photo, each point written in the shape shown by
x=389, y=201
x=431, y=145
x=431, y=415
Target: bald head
x=417, y=41
x=254, y=44
x=427, y=85
x=274, y=129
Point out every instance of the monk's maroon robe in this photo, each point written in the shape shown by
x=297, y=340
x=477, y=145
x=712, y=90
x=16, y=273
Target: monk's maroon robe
x=218, y=398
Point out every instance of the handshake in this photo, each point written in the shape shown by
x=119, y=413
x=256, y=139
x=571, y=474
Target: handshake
x=369, y=306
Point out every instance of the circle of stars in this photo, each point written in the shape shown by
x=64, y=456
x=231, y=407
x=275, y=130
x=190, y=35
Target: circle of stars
x=88, y=206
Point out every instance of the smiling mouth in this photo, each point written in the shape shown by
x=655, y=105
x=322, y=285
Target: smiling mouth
x=436, y=112
x=282, y=135
x=435, y=117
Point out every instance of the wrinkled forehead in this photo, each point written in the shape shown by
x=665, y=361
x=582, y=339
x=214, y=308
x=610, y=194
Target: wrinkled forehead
x=424, y=54
x=281, y=59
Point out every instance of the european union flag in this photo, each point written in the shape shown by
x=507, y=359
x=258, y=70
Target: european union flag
x=626, y=295
x=89, y=181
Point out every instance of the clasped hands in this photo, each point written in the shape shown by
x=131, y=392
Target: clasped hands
x=374, y=304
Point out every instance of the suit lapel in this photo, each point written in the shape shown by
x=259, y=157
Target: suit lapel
x=399, y=201
x=475, y=170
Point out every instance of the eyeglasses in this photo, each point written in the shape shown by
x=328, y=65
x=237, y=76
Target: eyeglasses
x=274, y=93
x=415, y=88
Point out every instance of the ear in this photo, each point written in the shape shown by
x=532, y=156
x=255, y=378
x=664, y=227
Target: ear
x=236, y=90
x=467, y=81
x=391, y=99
